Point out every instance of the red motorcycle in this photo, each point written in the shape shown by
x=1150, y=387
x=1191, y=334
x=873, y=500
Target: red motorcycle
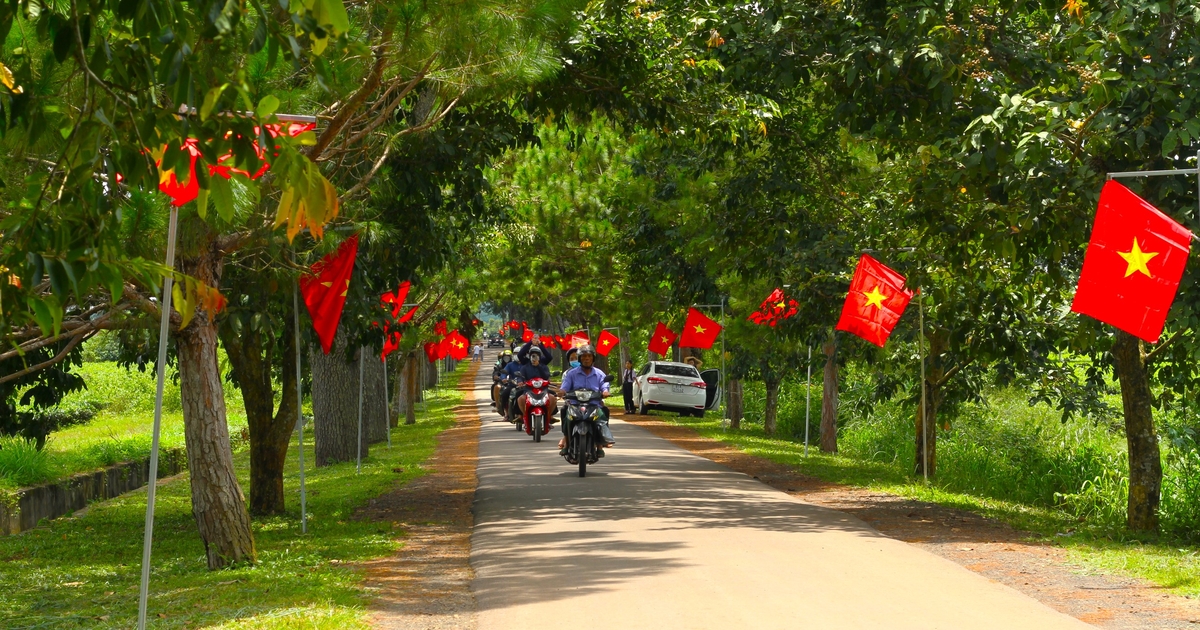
x=537, y=422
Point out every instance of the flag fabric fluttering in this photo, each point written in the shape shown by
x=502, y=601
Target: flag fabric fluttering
x=579, y=338
x=1133, y=264
x=440, y=329
x=776, y=308
x=876, y=301
x=547, y=340
x=325, y=289
x=564, y=343
x=457, y=346
x=391, y=343
x=527, y=335
x=661, y=340
x=606, y=342
x=396, y=298
x=431, y=350
x=391, y=338
x=699, y=331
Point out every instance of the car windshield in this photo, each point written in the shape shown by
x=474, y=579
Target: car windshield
x=676, y=370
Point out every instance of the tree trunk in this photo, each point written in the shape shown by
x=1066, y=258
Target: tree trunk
x=829, y=399
x=431, y=375
x=252, y=363
x=771, y=411
x=335, y=404
x=217, y=501
x=935, y=376
x=1145, y=461
x=374, y=409
x=412, y=387
x=735, y=404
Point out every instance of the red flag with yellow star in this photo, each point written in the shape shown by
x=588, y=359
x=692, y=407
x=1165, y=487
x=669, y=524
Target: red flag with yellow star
x=1133, y=264
x=661, y=340
x=875, y=302
x=699, y=331
x=606, y=342
x=325, y=290
x=431, y=350
x=457, y=346
x=776, y=308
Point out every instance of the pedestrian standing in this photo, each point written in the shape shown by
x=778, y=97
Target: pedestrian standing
x=627, y=377
x=478, y=356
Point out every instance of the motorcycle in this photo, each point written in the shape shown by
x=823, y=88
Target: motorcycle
x=583, y=410
x=512, y=407
x=502, y=401
x=537, y=395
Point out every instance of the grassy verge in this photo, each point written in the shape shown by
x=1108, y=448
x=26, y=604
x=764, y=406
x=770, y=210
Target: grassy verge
x=1171, y=566
x=120, y=431
x=84, y=572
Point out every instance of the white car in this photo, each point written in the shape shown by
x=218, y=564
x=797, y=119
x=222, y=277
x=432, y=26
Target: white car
x=677, y=387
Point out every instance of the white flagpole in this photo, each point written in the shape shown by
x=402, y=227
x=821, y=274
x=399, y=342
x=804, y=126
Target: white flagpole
x=358, y=466
x=164, y=326
x=807, y=400
x=300, y=413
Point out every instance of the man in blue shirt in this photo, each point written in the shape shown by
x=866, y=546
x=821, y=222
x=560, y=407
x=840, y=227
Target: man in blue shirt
x=588, y=377
x=536, y=369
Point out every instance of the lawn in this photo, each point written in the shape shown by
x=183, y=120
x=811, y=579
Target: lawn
x=84, y=572
x=1164, y=561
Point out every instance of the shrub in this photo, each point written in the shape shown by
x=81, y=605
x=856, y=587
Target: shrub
x=22, y=462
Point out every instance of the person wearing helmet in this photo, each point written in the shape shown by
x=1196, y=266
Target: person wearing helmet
x=497, y=370
x=523, y=353
x=592, y=378
x=536, y=369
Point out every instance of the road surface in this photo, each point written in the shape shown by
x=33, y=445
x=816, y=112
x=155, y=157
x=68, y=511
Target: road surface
x=657, y=538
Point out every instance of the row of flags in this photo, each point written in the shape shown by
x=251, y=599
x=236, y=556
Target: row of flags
x=1132, y=267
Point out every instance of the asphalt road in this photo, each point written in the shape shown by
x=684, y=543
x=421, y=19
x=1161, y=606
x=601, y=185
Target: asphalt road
x=657, y=538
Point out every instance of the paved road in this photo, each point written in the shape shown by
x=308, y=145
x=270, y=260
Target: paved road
x=657, y=538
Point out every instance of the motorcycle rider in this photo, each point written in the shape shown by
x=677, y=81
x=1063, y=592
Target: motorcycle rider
x=523, y=353
x=588, y=377
x=511, y=369
x=536, y=369
x=497, y=369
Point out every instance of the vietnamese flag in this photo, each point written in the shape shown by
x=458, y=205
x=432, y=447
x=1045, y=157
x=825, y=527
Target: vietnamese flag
x=391, y=343
x=527, y=335
x=440, y=329
x=325, y=290
x=606, y=342
x=547, y=340
x=431, y=350
x=699, y=331
x=397, y=298
x=580, y=338
x=875, y=302
x=457, y=346
x=777, y=307
x=563, y=342
x=1133, y=264
x=661, y=340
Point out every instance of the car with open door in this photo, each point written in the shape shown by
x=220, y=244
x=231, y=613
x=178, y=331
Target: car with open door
x=670, y=386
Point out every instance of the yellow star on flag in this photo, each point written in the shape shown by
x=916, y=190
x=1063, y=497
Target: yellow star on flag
x=347, y=287
x=665, y=340
x=1137, y=259
x=874, y=297
x=457, y=343
x=780, y=305
x=700, y=329
x=606, y=343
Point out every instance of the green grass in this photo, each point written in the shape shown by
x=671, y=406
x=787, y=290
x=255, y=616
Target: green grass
x=1064, y=481
x=121, y=429
x=84, y=573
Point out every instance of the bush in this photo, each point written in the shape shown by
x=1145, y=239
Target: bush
x=22, y=462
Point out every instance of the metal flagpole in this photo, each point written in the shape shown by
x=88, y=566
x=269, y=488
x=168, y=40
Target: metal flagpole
x=721, y=377
x=808, y=400
x=164, y=325
x=358, y=467
x=1181, y=171
x=387, y=409
x=300, y=413
x=924, y=411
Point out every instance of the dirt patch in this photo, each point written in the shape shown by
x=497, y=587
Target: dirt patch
x=983, y=545
x=427, y=584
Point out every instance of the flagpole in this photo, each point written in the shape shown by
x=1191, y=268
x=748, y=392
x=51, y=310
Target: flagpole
x=358, y=466
x=164, y=326
x=924, y=411
x=299, y=410
x=808, y=400
x=721, y=377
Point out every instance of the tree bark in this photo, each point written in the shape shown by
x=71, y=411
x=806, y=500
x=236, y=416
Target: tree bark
x=374, y=392
x=771, y=410
x=1145, y=461
x=217, y=501
x=829, y=398
x=251, y=357
x=737, y=408
x=410, y=387
x=335, y=405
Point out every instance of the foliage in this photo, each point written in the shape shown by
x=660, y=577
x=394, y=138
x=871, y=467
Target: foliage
x=22, y=462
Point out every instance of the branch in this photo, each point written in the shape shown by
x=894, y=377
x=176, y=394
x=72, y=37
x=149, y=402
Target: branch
x=1147, y=358
x=45, y=364
x=351, y=107
x=954, y=370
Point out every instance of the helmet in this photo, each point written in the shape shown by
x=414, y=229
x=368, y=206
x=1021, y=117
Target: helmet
x=586, y=349
x=534, y=350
